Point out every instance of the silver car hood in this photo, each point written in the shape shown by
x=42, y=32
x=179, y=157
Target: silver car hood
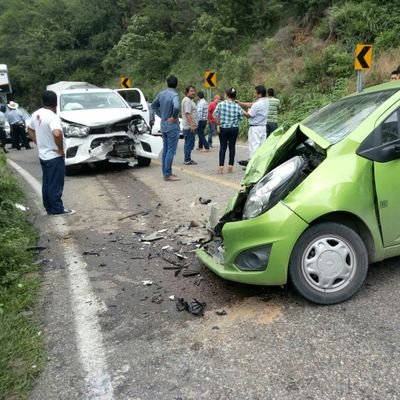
x=97, y=117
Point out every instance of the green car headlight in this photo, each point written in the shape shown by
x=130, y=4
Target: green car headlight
x=273, y=187
x=74, y=130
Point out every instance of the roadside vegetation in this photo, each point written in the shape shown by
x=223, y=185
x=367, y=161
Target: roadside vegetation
x=21, y=349
x=304, y=49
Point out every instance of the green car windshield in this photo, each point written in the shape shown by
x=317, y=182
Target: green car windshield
x=335, y=121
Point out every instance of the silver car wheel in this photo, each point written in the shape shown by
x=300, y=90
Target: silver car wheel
x=328, y=263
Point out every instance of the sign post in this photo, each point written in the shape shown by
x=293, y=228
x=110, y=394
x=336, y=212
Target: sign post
x=362, y=62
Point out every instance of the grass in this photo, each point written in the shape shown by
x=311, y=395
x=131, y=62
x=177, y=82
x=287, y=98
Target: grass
x=21, y=350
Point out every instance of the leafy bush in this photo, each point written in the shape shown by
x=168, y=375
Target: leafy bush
x=9, y=189
x=16, y=235
x=388, y=39
x=324, y=68
x=363, y=22
x=21, y=350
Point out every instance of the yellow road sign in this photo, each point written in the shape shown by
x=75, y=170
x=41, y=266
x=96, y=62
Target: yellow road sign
x=210, y=79
x=363, y=58
x=125, y=82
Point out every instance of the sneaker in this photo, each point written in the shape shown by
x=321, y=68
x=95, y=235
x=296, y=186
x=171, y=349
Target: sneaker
x=67, y=211
x=191, y=162
x=171, y=178
x=243, y=162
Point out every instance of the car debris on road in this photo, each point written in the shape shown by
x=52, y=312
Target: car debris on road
x=195, y=307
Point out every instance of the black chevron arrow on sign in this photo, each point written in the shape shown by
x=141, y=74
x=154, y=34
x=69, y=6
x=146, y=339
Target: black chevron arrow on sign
x=209, y=79
x=361, y=55
x=125, y=83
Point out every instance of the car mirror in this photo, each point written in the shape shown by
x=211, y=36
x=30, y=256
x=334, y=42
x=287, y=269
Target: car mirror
x=382, y=153
x=135, y=105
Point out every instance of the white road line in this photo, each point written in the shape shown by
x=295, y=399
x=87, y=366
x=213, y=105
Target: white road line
x=85, y=306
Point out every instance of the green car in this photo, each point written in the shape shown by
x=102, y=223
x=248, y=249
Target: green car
x=319, y=202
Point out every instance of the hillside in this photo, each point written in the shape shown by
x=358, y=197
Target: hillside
x=304, y=49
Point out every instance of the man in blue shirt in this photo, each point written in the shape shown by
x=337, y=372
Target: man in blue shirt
x=17, y=127
x=166, y=106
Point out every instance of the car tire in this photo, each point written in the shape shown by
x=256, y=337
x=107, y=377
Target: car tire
x=71, y=170
x=143, y=161
x=329, y=263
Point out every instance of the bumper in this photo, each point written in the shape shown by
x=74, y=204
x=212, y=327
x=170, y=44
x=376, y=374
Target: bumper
x=278, y=228
x=116, y=147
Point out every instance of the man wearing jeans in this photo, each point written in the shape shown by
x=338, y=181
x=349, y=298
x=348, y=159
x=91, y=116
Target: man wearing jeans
x=202, y=112
x=189, y=123
x=166, y=106
x=45, y=130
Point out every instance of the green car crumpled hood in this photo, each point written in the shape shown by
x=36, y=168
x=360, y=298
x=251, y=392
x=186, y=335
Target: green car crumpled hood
x=276, y=145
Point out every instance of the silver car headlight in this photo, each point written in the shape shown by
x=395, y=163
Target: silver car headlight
x=74, y=130
x=273, y=187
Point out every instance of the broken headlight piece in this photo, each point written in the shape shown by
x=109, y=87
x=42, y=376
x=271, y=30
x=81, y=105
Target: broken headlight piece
x=74, y=130
x=139, y=126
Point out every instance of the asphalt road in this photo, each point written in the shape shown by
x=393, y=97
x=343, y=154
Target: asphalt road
x=270, y=344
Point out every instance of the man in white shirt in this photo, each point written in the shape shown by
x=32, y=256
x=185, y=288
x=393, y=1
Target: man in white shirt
x=257, y=115
x=45, y=130
x=189, y=123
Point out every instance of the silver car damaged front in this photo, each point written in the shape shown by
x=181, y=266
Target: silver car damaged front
x=104, y=130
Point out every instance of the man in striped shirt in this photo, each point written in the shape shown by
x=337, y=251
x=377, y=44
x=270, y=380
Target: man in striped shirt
x=202, y=112
x=274, y=105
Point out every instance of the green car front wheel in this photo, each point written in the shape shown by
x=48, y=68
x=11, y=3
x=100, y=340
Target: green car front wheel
x=329, y=263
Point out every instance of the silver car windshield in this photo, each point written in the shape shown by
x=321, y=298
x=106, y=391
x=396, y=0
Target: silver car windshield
x=335, y=121
x=91, y=101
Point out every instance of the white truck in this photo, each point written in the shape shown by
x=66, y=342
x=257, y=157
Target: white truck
x=5, y=86
x=99, y=125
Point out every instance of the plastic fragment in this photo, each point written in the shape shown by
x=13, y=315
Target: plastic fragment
x=202, y=200
x=151, y=237
x=195, y=307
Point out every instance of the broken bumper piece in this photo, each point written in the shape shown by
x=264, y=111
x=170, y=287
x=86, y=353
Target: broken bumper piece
x=117, y=147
